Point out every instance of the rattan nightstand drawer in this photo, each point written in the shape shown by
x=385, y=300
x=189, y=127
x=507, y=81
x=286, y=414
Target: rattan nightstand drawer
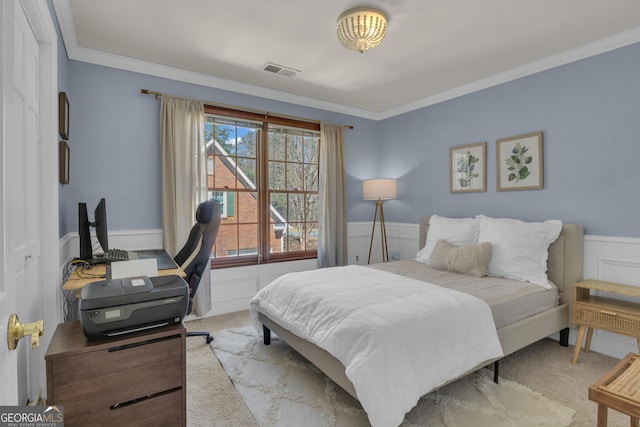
x=609, y=306
x=613, y=321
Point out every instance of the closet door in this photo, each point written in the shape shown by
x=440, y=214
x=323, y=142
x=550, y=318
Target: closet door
x=21, y=288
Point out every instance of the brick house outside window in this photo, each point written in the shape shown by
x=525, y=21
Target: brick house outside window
x=237, y=208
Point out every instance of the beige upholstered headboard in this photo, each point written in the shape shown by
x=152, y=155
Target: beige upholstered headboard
x=564, y=265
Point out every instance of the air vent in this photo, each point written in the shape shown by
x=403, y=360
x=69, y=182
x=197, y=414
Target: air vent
x=279, y=69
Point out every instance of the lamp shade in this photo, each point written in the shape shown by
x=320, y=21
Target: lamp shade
x=383, y=189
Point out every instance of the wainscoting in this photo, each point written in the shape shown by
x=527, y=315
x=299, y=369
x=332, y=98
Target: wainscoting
x=615, y=259
x=232, y=288
x=612, y=259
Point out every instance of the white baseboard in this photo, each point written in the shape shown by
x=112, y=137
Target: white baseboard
x=615, y=259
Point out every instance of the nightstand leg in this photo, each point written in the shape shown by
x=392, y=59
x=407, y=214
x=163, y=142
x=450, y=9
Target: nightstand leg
x=576, y=350
x=587, y=345
x=634, y=422
x=638, y=346
x=602, y=415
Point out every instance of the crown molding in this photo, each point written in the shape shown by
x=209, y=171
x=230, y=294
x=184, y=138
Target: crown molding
x=75, y=52
x=597, y=47
x=173, y=73
x=78, y=53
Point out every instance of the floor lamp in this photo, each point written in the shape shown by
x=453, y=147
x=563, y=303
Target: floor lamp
x=379, y=190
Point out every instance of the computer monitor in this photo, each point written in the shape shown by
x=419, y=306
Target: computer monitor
x=100, y=218
x=84, y=229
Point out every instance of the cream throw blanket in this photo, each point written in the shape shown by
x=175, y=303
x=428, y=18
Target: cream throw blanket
x=398, y=338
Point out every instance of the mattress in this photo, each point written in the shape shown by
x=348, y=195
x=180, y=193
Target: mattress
x=510, y=300
x=366, y=318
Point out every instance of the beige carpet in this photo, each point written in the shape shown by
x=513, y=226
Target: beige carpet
x=282, y=388
x=212, y=400
x=544, y=367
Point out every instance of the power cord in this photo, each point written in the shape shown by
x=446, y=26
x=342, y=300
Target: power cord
x=80, y=267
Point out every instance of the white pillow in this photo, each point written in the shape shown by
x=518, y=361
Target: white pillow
x=458, y=231
x=519, y=249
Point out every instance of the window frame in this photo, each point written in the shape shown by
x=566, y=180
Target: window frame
x=264, y=255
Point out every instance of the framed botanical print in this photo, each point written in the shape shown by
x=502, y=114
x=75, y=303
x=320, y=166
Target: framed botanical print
x=519, y=162
x=467, y=168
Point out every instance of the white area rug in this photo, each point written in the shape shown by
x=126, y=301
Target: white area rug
x=283, y=389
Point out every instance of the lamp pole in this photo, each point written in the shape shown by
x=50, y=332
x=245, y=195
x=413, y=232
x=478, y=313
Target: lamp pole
x=379, y=189
x=383, y=232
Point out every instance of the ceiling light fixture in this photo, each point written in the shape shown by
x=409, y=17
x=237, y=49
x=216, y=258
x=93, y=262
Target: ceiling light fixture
x=361, y=28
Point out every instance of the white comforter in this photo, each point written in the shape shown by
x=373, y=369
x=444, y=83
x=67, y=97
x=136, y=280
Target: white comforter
x=398, y=338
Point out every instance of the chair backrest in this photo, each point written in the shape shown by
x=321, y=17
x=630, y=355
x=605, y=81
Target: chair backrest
x=201, y=239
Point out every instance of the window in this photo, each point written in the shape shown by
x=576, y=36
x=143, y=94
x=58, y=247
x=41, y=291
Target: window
x=293, y=187
x=226, y=201
x=264, y=172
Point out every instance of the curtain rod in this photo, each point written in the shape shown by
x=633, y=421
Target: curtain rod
x=159, y=94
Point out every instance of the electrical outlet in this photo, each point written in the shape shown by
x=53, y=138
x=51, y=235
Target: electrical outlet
x=358, y=258
x=395, y=256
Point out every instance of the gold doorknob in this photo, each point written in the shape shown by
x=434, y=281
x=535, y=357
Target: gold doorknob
x=17, y=330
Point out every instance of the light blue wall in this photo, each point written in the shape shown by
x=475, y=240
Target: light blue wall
x=114, y=142
x=63, y=86
x=589, y=113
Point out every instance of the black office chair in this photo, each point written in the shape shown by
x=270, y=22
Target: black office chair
x=201, y=238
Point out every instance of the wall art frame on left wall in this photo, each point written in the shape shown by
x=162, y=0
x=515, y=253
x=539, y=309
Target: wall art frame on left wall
x=64, y=157
x=63, y=115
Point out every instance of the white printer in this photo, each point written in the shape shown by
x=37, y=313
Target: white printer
x=115, y=307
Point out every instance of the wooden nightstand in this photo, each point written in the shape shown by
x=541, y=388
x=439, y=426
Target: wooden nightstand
x=605, y=312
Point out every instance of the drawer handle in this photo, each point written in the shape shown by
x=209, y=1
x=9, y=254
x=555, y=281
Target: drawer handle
x=139, y=343
x=610, y=313
x=140, y=399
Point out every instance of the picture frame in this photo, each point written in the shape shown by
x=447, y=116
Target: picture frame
x=519, y=162
x=63, y=115
x=64, y=158
x=468, y=168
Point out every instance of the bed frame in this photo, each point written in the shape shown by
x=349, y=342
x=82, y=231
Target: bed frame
x=564, y=269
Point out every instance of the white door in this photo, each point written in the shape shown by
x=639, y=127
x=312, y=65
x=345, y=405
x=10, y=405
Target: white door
x=22, y=371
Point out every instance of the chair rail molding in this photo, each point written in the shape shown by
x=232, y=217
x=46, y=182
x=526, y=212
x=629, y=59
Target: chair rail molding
x=609, y=258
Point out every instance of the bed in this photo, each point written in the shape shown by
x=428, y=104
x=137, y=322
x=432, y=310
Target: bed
x=512, y=332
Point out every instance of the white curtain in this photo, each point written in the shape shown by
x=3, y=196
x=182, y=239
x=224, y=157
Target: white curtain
x=184, y=178
x=332, y=217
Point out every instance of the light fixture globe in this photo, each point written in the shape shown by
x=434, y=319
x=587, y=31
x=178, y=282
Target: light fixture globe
x=361, y=28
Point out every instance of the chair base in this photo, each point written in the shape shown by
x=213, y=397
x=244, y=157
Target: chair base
x=207, y=336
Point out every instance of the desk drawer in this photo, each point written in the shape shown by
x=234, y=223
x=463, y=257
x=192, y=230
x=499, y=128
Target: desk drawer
x=613, y=321
x=107, y=377
x=162, y=410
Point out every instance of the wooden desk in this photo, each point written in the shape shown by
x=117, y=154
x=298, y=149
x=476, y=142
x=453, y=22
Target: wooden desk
x=135, y=379
x=83, y=276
